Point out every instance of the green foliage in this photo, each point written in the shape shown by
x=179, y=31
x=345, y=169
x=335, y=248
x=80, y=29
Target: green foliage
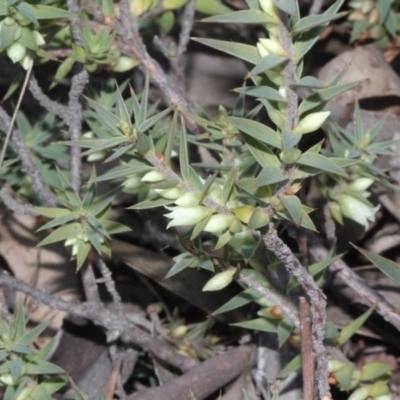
x=25, y=374
x=82, y=223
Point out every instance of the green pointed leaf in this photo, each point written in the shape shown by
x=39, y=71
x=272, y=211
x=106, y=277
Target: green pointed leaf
x=306, y=40
x=212, y=7
x=122, y=110
x=51, y=212
x=320, y=162
x=344, y=376
x=59, y=221
x=62, y=71
x=266, y=63
x=42, y=11
x=142, y=114
x=264, y=156
x=242, y=17
x=199, y=227
x=285, y=329
x=170, y=142
x=78, y=394
x=258, y=219
x=183, y=153
x=240, y=300
x=7, y=35
x=150, y=122
x=54, y=384
x=321, y=97
x=257, y=130
x=105, y=117
x=308, y=82
x=293, y=206
x=259, y=324
x=313, y=21
x=287, y=6
x=223, y=240
x=263, y=92
x=347, y=332
x=228, y=186
x=180, y=265
x=151, y=203
x=375, y=370
x=19, y=323
x=33, y=333
x=293, y=365
x=270, y=175
x=43, y=367
x=83, y=252
x=15, y=368
x=27, y=10
x=238, y=50
x=63, y=233
x=388, y=267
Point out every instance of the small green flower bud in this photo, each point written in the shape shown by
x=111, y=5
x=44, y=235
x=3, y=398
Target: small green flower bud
x=179, y=331
x=334, y=208
x=218, y=223
x=273, y=47
x=335, y=365
x=219, y=281
x=16, y=52
x=153, y=176
x=268, y=7
x=9, y=21
x=241, y=239
x=124, y=64
x=26, y=61
x=170, y=194
x=261, y=50
x=379, y=388
x=311, y=122
x=291, y=156
x=189, y=199
x=98, y=155
x=357, y=210
x=243, y=212
x=361, y=393
x=187, y=216
x=39, y=38
x=360, y=184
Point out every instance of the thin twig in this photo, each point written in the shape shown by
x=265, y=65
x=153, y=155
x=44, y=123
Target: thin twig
x=50, y=105
x=28, y=163
x=317, y=300
x=110, y=284
x=115, y=373
x=132, y=44
x=13, y=205
x=12, y=122
x=364, y=293
x=75, y=21
x=307, y=355
x=78, y=83
x=177, y=62
x=89, y=284
x=127, y=332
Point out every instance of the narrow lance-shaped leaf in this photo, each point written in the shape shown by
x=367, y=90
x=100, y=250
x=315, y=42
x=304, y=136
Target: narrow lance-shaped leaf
x=183, y=152
x=63, y=233
x=266, y=63
x=347, y=332
x=241, y=17
x=388, y=267
x=293, y=206
x=242, y=51
x=313, y=21
x=170, y=142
